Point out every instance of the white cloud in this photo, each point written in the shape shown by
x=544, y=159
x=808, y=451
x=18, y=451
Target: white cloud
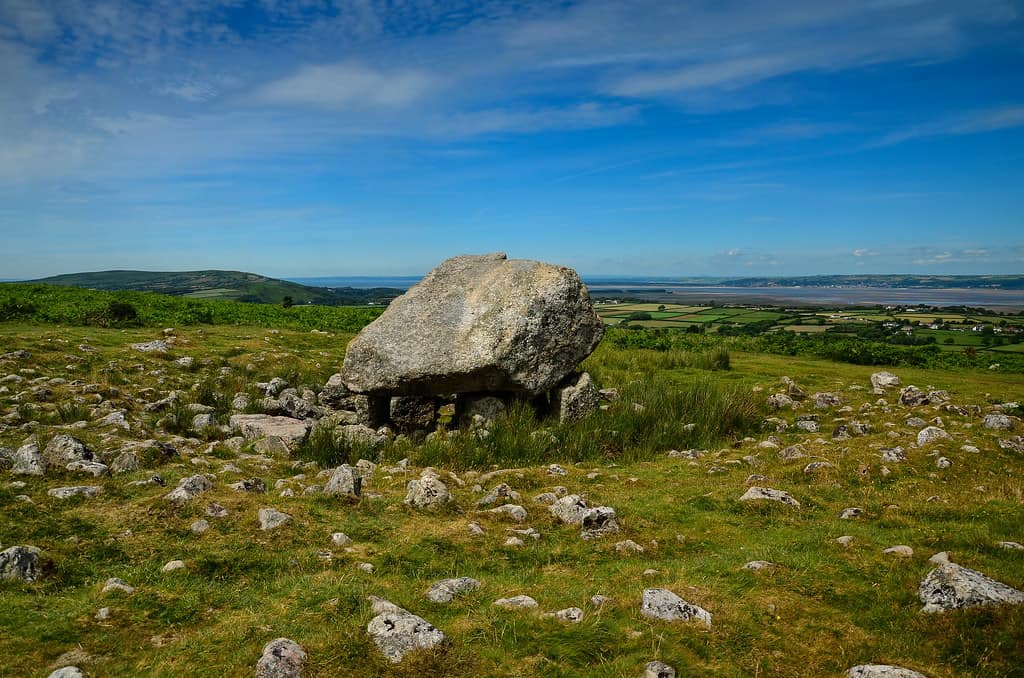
x=864, y=252
x=349, y=85
x=976, y=122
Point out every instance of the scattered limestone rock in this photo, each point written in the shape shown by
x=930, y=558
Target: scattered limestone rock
x=397, y=632
x=912, y=396
x=997, y=422
x=767, y=494
x=254, y=485
x=665, y=605
x=500, y=492
x=126, y=462
x=573, y=615
x=67, y=672
x=943, y=463
x=445, y=590
x=778, y=401
x=893, y=455
x=345, y=481
x=577, y=399
x=63, y=450
x=272, y=518
x=282, y=658
x=556, y=470
x=846, y=540
x=756, y=565
x=256, y=426
x=882, y=671
x=883, y=380
x=599, y=521
x=570, y=509
x=1010, y=545
x=156, y=346
x=20, y=563
x=816, y=466
x=517, y=602
x=28, y=461
x=851, y=512
x=199, y=526
x=511, y=511
x=173, y=565
x=117, y=584
x=75, y=491
x=827, y=399
x=628, y=547
x=930, y=435
x=340, y=539
x=950, y=586
x=428, y=492
x=188, y=489
x=900, y=550
x=657, y=669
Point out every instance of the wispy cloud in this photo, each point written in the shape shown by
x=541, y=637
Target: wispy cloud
x=977, y=122
x=349, y=85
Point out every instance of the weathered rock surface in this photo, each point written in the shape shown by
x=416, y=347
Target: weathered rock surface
x=397, y=632
x=74, y=491
x=255, y=426
x=64, y=449
x=188, y=489
x=997, y=422
x=570, y=509
x=882, y=380
x=577, y=399
x=272, y=518
x=599, y=521
x=768, y=494
x=28, y=461
x=659, y=670
x=345, y=481
x=20, y=563
x=477, y=324
x=427, y=493
x=950, y=586
x=882, y=671
x=445, y=590
x=663, y=604
x=520, y=601
x=282, y=658
x=930, y=435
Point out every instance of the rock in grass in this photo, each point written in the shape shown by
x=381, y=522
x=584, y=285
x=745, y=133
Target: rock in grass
x=997, y=422
x=599, y=521
x=445, y=590
x=282, y=658
x=665, y=605
x=64, y=449
x=511, y=511
x=20, y=563
x=75, y=491
x=659, y=670
x=768, y=494
x=67, y=672
x=882, y=671
x=477, y=324
x=188, y=489
x=950, y=587
x=1012, y=545
x=254, y=485
x=930, y=435
x=573, y=615
x=427, y=493
x=272, y=518
x=756, y=565
x=396, y=632
x=500, y=492
x=570, y=509
x=516, y=602
x=577, y=399
x=901, y=550
x=93, y=468
x=117, y=584
x=882, y=380
x=28, y=461
x=256, y=426
x=173, y=565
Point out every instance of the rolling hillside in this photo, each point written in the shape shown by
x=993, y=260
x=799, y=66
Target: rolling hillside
x=233, y=285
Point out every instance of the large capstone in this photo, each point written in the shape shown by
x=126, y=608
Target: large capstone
x=481, y=323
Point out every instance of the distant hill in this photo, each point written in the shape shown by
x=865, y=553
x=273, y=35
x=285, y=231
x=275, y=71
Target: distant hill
x=898, y=281
x=232, y=285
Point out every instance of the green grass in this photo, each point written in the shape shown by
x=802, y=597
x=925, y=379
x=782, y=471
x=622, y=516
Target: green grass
x=822, y=610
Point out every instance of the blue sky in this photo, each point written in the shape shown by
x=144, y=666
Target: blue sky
x=331, y=137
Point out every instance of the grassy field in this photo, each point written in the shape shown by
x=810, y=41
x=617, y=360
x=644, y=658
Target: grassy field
x=819, y=610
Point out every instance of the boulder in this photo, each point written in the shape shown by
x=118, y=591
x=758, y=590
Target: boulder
x=282, y=658
x=255, y=426
x=768, y=494
x=930, y=435
x=665, y=605
x=427, y=493
x=882, y=380
x=345, y=481
x=950, y=586
x=188, y=489
x=657, y=669
x=997, y=422
x=20, y=563
x=445, y=590
x=577, y=399
x=64, y=449
x=477, y=324
x=397, y=632
x=272, y=518
x=28, y=461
